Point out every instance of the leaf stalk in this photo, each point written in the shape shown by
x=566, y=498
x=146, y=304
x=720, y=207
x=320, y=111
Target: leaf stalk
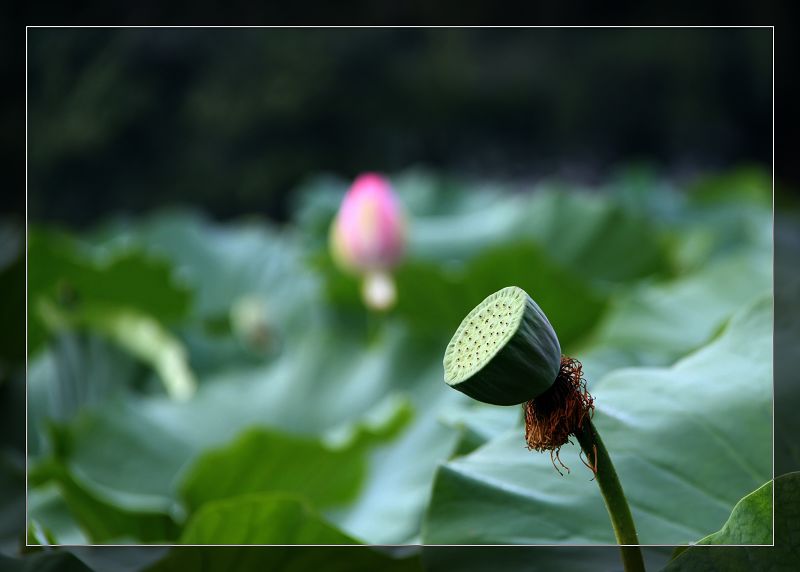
x=613, y=495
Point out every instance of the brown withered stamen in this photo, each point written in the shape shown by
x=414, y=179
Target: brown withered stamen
x=559, y=412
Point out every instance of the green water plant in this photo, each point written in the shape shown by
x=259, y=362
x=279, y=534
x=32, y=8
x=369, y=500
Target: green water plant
x=506, y=352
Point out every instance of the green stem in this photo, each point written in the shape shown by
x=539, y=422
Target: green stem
x=616, y=503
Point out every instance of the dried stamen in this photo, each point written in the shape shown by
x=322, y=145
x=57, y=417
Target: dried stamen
x=559, y=412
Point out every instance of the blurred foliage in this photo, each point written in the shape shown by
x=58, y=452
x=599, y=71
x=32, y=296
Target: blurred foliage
x=119, y=298
x=316, y=412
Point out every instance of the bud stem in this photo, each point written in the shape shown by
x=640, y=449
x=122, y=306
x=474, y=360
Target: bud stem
x=613, y=495
x=378, y=291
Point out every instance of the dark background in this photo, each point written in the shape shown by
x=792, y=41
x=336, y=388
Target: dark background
x=232, y=120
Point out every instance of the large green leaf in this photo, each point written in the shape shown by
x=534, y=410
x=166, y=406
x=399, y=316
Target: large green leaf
x=152, y=437
x=751, y=520
x=127, y=297
x=225, y=263
x=260, y=519
x=69, y=277
x=397, y=486
x=321, y=388
x=258, y=461
x=51, y=514
x=145, y=338
x=656, y=323
x=267, y=461
x=585, y=231
x=437, y=299
x=751, y=523
x=103, y=520
x=688, y=442
x=141, y=335
x=594, y=235
x=253, y=294
x=120, y=455
x=76, y=372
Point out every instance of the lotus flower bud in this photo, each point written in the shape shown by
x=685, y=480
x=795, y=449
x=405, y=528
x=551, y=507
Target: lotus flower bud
x=368, y=237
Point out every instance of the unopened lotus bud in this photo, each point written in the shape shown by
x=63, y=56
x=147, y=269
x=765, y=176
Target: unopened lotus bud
x=505, y=351
x=368, y=233
x=368, y=237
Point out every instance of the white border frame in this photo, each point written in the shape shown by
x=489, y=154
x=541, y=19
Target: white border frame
x=27, y=517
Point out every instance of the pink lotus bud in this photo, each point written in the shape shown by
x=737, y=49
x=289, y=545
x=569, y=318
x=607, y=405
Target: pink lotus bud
x=368, y=237
x=368, y=234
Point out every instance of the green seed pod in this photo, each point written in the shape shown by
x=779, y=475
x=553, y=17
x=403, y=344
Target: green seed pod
x=505, y=351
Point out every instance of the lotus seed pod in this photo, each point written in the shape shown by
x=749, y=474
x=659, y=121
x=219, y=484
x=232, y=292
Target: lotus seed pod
x=368, y=234
x=505, y=351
